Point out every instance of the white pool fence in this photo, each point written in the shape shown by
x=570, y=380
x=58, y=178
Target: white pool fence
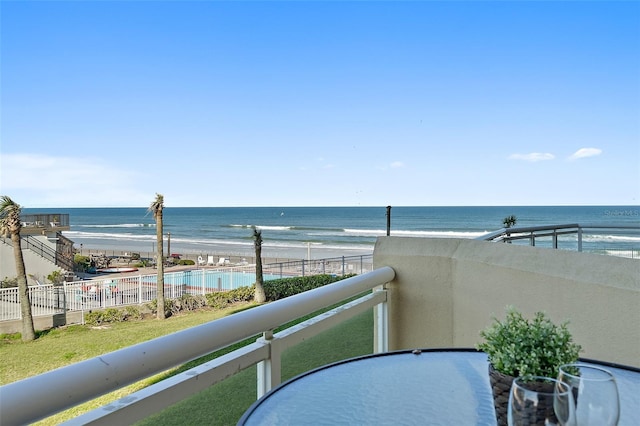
x=109, y=291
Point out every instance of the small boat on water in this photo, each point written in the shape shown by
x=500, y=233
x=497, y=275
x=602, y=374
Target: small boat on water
x=116, y=270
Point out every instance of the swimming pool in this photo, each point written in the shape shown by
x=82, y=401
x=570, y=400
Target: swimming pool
x=218, y=280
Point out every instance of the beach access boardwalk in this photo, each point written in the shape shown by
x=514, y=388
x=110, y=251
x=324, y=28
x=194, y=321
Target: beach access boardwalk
x=134, y=288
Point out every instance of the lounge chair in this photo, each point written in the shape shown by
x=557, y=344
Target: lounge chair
x=201, y=261
x=210, y=260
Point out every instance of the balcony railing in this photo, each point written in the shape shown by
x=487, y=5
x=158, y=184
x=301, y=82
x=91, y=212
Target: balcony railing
x=441, y=294
x=624, y=238
x=49, y=222
x=32, y=399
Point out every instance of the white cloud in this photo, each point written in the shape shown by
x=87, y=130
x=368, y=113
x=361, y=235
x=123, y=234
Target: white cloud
x=392, y=165
x=532, y=157
x=584, y=153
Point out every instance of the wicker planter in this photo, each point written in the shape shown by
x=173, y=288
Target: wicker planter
x=500, y=386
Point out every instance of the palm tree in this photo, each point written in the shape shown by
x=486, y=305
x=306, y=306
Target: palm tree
x=10, y=224
x=509, y=221
x=156, y=208
x=259, y=295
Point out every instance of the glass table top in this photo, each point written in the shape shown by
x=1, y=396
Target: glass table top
x=436, y=387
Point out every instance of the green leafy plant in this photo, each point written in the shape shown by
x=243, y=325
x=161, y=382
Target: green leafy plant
x=81, y=263
x=521, y=347
x=56, y=277
x=112, y=315
x=143, y=263
x=9, y=282
x=187, y=302
x=285, y=287
x=222, y=299
x=168, y=307
x=509, y=221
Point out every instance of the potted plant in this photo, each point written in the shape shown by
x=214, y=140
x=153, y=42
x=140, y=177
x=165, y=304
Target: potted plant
x=521, y=347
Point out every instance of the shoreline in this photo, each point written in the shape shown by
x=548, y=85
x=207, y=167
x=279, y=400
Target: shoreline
x=233, y=251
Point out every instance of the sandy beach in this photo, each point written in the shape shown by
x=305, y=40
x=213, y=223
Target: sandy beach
x=123, y=257
x=233, y=254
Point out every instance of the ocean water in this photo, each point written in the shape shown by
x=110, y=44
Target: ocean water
x=318, y=232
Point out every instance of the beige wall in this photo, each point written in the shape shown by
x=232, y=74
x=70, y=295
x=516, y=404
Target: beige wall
x=35, y=264
x=447, y=290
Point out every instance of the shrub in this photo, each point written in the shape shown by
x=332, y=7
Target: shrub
x=143, y=263
x=285, y=287
x=274, y=289
x=188, y=302
x=222, y=299
x=81, y=263
x=185, y=262
x=168, y=307
x=111, y=315
x=56, y=277
x=133, y=312
x=9, y=282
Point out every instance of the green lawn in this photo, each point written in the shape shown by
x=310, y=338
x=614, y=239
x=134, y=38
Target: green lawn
x=67, y=345
x=222, y=404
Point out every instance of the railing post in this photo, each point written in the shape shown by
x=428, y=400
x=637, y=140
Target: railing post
x=555, y=238
x=388, y=221
x=579, y=238
x=269, y=370
x=64, y=296
x=382, y=326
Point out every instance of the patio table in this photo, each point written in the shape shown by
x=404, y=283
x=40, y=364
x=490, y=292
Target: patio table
x=435, y=387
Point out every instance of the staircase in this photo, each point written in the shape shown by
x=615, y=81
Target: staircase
x=62, y=256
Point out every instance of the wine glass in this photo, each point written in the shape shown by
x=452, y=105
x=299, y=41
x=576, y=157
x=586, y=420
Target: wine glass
x=536, y=400
x=595, y=393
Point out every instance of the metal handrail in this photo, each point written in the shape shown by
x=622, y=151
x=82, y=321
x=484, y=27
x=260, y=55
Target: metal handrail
x=45, y=220
x=46, y=252
x=533, y=232
x=31, y=399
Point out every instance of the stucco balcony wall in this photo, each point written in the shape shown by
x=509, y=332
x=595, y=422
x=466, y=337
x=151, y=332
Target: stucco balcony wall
x=447, y=290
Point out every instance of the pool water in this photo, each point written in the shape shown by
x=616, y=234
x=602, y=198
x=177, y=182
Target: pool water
x=215, y=279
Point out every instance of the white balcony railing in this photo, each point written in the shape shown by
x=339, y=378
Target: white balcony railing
x=31, y=399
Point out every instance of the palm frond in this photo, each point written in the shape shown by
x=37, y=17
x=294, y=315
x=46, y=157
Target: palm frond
x=157, y=205
x=9, y=216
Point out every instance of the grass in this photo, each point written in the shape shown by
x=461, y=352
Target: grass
x=222, y=404
x=58, y=347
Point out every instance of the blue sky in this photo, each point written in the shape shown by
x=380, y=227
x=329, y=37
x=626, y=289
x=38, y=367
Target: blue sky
x=320, y=103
